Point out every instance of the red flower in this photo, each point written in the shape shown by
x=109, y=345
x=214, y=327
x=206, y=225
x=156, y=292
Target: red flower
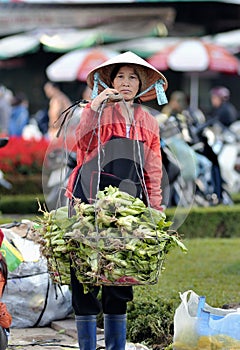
x=21, y=156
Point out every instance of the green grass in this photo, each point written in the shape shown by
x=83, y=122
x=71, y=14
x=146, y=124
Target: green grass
x=211, y=267
x=6, y=219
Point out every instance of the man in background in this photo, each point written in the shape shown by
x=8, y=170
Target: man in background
x=58, y=103
x=222, y=109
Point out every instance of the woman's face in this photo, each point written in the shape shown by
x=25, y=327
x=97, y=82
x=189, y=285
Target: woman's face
x=126, y=82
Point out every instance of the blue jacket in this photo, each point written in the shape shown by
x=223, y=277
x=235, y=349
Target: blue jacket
x=18, y=120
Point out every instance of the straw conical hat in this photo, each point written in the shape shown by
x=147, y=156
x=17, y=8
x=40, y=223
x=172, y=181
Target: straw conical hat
x=148, y=74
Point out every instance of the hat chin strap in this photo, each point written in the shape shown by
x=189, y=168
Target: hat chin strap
x=96, y=81
x=161, y=96
x=158, y=85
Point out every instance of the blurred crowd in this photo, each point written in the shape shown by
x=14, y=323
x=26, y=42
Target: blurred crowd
x=14, y=112
x=15, y=118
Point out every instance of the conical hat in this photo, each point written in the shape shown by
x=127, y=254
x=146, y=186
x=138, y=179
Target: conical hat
x=148, y=74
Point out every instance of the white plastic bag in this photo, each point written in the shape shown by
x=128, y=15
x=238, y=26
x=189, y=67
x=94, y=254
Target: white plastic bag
x=197, y=325
x=30, y=296
x=33, y=300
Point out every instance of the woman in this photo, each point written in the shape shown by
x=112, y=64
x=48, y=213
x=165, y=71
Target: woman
x=118, y=144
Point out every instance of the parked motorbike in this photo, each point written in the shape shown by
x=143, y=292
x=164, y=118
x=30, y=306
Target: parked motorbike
x=210, y=183
x=221, y=146
x=60, y=166
x=235, y=128
x=171, y=171
x=178, y=187
x=200, y=180
x=179, y=164
x=226, y=144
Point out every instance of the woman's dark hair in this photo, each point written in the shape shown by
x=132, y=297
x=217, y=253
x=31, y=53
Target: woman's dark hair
x=116, y=69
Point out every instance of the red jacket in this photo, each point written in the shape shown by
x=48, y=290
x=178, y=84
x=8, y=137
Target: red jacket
x=145, y=128
x=5, y=317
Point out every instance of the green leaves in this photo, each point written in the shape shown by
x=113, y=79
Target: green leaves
x=117, y=240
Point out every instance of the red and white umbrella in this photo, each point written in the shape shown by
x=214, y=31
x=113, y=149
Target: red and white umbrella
x=76, y=64
x=229, y=40
x=195, y=55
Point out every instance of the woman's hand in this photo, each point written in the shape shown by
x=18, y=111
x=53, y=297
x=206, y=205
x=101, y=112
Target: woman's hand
x=104, y=95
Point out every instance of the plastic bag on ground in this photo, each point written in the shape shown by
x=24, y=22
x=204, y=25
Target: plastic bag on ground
x=30, y=296
x=199, y=326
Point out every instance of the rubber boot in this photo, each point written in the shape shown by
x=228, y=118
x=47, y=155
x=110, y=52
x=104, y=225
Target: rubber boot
x=115, y=331
x=87, y=332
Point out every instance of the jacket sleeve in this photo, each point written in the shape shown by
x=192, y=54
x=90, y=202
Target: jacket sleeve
x=5, y=317
x=153, y=167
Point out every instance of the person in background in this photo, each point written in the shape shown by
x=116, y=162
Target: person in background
x=125, y=131
x=5, y=109
x=222, y=109
x=189, y=120
x=58, y=103
x=42, y=121
x=19, y=117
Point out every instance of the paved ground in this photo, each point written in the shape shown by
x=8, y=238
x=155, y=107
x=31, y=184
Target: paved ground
x=59, y=335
